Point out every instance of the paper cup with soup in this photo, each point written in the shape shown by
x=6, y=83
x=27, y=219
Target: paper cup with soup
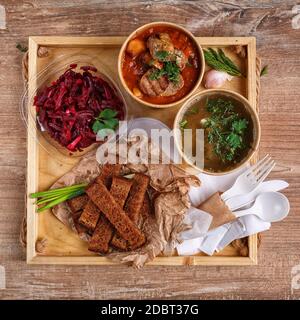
x=224, y=131
x=161, y=64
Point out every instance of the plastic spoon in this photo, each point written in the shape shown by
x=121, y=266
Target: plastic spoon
x=238, y=202
x=269, y=206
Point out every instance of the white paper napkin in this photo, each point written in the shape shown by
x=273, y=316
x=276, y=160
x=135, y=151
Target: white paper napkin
x=199, y=221
x=189, y=247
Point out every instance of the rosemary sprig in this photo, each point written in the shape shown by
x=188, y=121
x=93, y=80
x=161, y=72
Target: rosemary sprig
x=219, y=61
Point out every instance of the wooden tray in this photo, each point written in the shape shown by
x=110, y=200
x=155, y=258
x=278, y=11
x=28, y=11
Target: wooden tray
x=46, y=165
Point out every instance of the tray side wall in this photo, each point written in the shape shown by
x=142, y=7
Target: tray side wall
x=32, y=157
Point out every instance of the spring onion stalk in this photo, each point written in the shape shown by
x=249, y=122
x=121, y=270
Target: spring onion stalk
x=59, y=200
x=56, y=191
x=48, y=199
x=53, y=197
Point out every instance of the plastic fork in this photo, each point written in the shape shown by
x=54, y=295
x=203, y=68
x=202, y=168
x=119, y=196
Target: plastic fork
x=251, y=178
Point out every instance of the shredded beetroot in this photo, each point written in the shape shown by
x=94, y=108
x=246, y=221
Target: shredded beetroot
x=67, y=109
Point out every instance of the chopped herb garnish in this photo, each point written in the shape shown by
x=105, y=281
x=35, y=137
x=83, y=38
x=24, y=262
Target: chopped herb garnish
x=239, y=125
x=156, y=74
x=219, y=61
x=106, y=120
x=183, y=124
x=192, y=111
x=162, y=55
x=170, y=70
x=225, y=129
x=264, y=71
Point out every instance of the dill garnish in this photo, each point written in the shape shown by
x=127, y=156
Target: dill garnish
x=219, y=61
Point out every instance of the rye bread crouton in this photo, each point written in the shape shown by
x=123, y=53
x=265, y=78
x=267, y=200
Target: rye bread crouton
x=133, y=207
x=91, y=213
x=117, y=241
x=102, y=198
x=78, y=203
x=104, y=230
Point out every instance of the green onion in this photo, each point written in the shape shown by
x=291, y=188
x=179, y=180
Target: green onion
x=60, y=200
x=55, y=196
x=56, y=191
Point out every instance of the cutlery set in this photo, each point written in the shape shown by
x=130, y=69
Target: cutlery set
x=269, y=205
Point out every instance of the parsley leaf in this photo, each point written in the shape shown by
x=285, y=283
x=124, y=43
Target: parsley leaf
x=239, y=125
x=108, y=114
x=225, y=129
x=233, y=140
x=170, y=70
x=162, y=55
x=111, y=123
x=156, y=74
x=98, y=125
x=106, y=120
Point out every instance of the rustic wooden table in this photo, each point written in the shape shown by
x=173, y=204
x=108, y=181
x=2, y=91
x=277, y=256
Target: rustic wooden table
x=278, y=43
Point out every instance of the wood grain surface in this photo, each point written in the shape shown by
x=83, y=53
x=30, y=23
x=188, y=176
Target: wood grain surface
x=278, y=45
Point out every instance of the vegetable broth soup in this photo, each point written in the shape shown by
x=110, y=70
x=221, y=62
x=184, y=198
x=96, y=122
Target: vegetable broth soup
x=161, y=65
x=228, y=131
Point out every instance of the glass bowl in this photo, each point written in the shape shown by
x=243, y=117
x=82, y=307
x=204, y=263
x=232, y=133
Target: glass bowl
x=51, y=73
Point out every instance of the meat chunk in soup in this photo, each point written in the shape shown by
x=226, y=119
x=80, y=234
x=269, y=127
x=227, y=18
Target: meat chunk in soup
x=160, y=42
x=173, y=87
x=153, y=87
x=180, y=59
x=147, y=61
x=159, y=87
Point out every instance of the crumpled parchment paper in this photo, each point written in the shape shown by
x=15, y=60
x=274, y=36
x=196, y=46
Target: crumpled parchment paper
x=169, y=186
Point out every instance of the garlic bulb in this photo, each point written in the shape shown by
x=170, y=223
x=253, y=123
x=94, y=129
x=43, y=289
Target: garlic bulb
x=216, y=79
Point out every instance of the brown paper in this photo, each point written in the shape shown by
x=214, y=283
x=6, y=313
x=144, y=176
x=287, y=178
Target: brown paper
x=215, y=206
x=169, y=192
